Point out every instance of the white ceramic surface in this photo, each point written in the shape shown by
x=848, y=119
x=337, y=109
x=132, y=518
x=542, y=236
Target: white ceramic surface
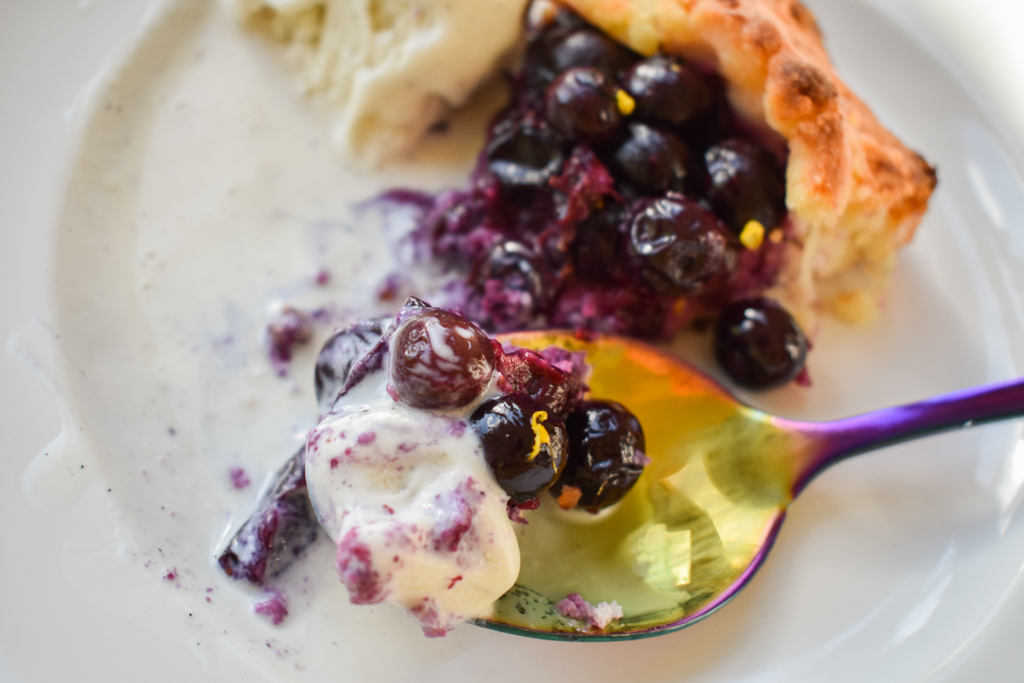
x=902, y=566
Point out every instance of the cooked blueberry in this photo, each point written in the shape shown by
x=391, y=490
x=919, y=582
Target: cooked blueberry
x=667, y=90
x=439, y=361
x=530, y=374
x=745, y=183
x=339, y=353
x=550, y=22
x=595, y=248
x=513, y=285
x=653, y=160
x=524, y=444
x=280, y=529
x=715, y=123
x=583, y=105
x=676, y=246
x=759, y=344
x=544, y=31
x=524, y=155
x=587, y=47
x=289, y=328
x=606, y=454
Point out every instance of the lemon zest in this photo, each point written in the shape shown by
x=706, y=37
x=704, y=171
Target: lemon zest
x=752, y=235
x=625, y=102
x=540, y=433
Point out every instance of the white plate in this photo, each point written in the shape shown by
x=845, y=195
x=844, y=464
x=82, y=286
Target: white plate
x=900, y=566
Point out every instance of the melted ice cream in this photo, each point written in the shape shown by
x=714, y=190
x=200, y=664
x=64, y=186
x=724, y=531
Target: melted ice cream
x=408, y=499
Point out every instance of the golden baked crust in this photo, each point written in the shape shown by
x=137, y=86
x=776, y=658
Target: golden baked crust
x=854, y=191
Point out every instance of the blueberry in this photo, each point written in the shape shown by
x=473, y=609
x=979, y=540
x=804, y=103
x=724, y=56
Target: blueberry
x=653, y=160
x=528, y=373
x=759, y=344
x=595, y=248
x=338, y=355
x=606, y=453
x=279, y=531
x=745, y=183
x=567, y=43
x=582, y=104
x=668, y=91
x=524, y=444
x=587, y=47
x=513, y=285
x=439, y=361
x=524, y=155
x=676, y=246
x=715, y=123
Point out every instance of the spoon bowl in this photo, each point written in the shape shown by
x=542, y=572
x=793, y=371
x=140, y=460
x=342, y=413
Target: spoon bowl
x=703, y=517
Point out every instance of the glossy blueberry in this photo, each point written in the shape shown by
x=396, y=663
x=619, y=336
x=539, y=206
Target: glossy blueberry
x=676, y=246
x=606, y=453
x=524, y=444
x=667, y=91
x=529, y=374
x=745, y=183
x=519, y=269
x=590, y=48
x=278, y=532
x=524, y=155
x=512, y=284
x=759, y=344
x=439, y=361
x=581, y=104
x=655, y=161
x=338, y=355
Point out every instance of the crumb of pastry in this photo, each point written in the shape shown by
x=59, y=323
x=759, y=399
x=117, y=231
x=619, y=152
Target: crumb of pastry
x=569, y=497
x=593, y=616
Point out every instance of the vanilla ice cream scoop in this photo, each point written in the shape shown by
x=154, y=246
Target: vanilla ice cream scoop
x=389, y=68
x=409, y=500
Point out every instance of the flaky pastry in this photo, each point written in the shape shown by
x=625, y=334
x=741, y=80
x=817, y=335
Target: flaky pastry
x=855, y=193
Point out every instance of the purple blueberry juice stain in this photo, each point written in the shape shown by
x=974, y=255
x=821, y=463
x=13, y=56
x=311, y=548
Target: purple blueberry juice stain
x=515, y=510
x=289, y=329
x=456, y=518
x=354, y=563
x=455, y=427
x=275, y=607
x=426, y=613
x=576, y=608
x=239, y=479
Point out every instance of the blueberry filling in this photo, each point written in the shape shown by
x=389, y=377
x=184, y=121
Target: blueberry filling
x=440, y=362
x=616, y=193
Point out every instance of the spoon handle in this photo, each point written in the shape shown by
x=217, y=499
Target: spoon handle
x=840, y=439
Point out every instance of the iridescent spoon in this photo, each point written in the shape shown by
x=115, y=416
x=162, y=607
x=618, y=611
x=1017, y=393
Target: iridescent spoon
x=703, y=517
